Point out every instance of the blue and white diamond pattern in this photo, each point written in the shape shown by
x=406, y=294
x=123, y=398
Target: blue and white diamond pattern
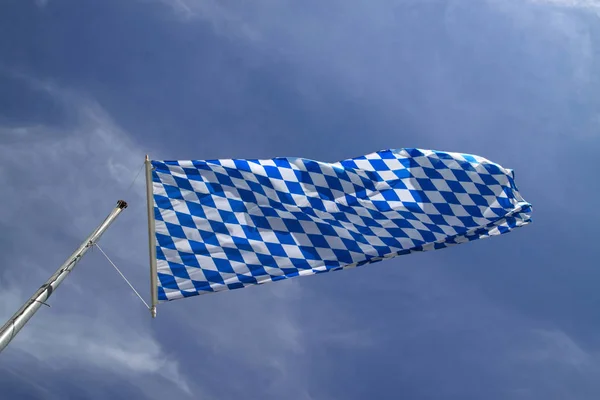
x=228, y=224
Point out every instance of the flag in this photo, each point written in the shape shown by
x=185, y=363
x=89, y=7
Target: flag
x=231, y=223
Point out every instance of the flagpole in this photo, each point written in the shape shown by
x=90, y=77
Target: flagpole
x=20, y=318
x=151, y=241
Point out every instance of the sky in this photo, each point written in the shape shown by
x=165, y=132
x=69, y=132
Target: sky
x=87, y=88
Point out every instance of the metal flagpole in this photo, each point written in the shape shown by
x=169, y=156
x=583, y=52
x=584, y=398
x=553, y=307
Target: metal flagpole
x=17, y=321
x=151, y=241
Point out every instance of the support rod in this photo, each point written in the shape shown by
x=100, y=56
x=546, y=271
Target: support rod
x=151, y=240
x=18, y=321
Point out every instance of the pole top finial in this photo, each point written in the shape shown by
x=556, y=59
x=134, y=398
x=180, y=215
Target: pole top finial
x=122, y=204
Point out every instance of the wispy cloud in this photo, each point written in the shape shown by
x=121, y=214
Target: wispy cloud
x=101, y=340
x=513, y=80
x=70, y=179
x=67, y=179
x=375, y=54
x=593, y=5
x=556, y=346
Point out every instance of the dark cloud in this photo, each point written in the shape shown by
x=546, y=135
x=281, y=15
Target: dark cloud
x=87, y=88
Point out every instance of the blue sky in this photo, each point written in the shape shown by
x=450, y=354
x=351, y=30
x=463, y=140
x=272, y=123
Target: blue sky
x=87, y=88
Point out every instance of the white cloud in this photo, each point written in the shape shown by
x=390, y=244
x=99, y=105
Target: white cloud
x=556, y=346
x=71, y=177
x=593, y=5
x=101, y=340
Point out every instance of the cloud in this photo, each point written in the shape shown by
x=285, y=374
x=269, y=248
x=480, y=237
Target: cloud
x=65, y=179
x=592, y=5
x=376, y=55
x=63, y=184
x=511, y=80
x=274, y=341
x=101, y=340
x=555, y=346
